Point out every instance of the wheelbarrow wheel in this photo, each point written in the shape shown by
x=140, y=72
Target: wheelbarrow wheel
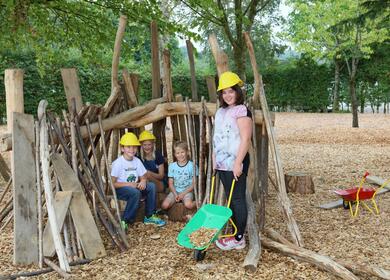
x=345, y=204
x=199, y=255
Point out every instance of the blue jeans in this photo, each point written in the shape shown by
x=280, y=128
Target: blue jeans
x=133, y=196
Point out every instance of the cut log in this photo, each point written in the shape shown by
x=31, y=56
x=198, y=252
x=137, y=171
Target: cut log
x=299, y=182
x=178, y=212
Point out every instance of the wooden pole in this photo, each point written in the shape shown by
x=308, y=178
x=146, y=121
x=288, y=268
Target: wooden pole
x=282, y=194
x=220, y=57
x=4, y=170
x=167, y=79
x=190, y=52
x=211, y=88
x=55, y=267
x=44, y=155
x=13, y=80
x=72, y=88
x=108, y=169
x=39, y=195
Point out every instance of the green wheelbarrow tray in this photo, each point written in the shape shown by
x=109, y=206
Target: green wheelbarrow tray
x=210, y=216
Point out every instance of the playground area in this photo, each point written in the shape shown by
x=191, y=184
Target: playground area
x=322, y=145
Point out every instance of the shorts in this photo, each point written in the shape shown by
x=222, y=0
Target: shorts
x=171, y=197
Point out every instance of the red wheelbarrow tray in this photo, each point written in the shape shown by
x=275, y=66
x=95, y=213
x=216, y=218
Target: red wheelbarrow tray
x=350, y=194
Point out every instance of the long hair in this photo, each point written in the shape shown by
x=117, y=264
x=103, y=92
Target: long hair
x=240, y=98
x=153, y=157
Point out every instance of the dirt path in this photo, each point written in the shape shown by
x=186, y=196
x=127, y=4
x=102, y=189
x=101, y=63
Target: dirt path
x=324, y=145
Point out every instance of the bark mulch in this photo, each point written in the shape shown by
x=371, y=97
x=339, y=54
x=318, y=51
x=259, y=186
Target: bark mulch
x=323, y=145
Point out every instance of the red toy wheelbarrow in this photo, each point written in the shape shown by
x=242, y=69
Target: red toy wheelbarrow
x=359, y=194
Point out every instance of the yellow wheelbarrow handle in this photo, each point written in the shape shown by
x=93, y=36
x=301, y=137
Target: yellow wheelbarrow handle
x=228, y=204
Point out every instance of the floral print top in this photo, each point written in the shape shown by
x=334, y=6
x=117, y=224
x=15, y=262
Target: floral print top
x=226, y=139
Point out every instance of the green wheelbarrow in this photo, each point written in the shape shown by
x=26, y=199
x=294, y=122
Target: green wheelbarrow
x=209, y=216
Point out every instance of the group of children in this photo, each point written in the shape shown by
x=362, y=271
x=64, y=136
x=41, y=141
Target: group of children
x=135, y=178
x=140, y=178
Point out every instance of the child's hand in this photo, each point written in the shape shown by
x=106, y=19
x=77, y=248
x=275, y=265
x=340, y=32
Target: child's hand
x=141, y=185
x=179, y=197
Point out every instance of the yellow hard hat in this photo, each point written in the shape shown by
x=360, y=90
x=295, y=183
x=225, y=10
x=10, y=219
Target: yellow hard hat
x=146, y=135
x=229, y=79
x=129, y=139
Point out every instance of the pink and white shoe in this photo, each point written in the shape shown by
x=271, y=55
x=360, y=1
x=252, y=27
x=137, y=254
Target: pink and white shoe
x=230, y=243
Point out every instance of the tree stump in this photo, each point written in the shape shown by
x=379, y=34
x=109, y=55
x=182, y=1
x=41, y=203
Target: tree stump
x=178, y=212
x=299, y=182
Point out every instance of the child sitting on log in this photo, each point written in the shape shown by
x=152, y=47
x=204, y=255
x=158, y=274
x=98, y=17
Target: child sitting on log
x=180, y=179
x=153, y=160
x=128, y=177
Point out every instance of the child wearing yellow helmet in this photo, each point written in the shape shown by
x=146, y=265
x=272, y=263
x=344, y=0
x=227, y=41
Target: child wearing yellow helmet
x=129, y=178
x=231, y=140
x=153, y=160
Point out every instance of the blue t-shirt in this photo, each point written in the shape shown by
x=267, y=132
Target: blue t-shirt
x=181, y=175
x=152, y=165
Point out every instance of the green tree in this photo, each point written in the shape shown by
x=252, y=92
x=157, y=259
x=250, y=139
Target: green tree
x=52, y=27
x=229, y=19
x=330, y=29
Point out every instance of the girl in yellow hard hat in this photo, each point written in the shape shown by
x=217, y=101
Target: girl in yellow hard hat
x=153, y=160
x=231, y=140
x=129, y=178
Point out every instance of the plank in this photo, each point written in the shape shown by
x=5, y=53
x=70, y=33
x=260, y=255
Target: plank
x=24, y=190
x=14, y=98
x=85, y=225
x=61, y=205
x=370, y=179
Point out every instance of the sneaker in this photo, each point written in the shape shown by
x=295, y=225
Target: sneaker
x=124, y=225
x=154, y=220
x=230, y=243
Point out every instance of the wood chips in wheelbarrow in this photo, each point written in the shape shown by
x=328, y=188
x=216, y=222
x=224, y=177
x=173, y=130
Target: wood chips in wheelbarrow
x=202, y=236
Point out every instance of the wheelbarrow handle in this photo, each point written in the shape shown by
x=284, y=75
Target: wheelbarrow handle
x=366, y=174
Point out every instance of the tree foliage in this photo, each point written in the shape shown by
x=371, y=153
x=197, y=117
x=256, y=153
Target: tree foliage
x=329, y=29
x=228, y=20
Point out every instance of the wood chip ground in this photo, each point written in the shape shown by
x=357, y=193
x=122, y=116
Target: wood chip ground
x=323, y=145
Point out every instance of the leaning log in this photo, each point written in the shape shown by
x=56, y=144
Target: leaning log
x=354, y=267
x=282, y=194
x=153, y=111
x=318, y=260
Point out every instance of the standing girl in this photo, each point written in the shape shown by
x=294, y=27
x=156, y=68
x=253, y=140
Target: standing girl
x=153, y=160
x=232, y=137
x=180, y=174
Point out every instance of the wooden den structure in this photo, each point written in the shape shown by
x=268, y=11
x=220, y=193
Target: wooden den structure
x=70, y=157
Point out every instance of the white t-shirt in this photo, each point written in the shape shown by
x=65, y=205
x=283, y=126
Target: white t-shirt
x=127, y=170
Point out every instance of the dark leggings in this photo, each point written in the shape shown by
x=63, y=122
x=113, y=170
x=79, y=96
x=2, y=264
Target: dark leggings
x=238, y=202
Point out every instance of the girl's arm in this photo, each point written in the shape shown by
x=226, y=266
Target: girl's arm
x=118, y=185
x=245, y=127
x=158, y=176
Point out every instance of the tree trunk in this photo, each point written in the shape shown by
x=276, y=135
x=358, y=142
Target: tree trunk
x=336, y=93
x=352, y=92
x=239, y=58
